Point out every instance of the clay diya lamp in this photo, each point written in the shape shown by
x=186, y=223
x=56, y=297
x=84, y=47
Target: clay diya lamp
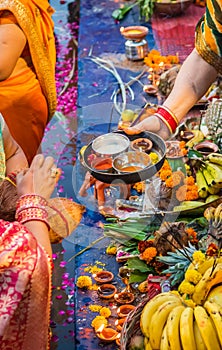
x=106, y=291
x=186, y=135
x=124, y=310
x=134, y=32
x=150, y=89
x=124, y=298
x=103, y=276
x=206, y=147
x=141, y=144
x=119, y=323
x=107, y=334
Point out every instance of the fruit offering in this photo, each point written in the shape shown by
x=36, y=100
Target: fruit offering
x=189, y=318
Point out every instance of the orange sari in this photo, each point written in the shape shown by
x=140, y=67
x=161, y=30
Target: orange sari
x=28, y=99
x=25, y=290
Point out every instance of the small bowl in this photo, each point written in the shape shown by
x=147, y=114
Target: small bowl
x=106, y=291
x=186, y=135
x=173, y=150
x=124, y=298
x=119, y=323
x=134, y=32
x=150, y=89
x=110, y=145
x=131, y=162
x=206, y=147
x=141, y=144
x=108, y=334
x=103, y=276
x=103, y=164
x=124, y=310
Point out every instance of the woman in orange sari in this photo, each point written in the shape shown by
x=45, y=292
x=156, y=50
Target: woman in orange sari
x=25, y=262
x=27, y=70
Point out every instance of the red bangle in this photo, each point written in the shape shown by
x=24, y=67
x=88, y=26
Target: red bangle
x=30, y=200
x=167, y=117
x=33, y=214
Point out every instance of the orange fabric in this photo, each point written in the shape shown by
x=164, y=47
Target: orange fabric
x=28, y=99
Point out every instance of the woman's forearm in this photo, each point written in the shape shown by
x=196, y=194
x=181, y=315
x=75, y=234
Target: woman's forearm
x=192, y=82
x=41, y=233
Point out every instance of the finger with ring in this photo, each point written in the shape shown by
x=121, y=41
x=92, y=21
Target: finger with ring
x=54, y=172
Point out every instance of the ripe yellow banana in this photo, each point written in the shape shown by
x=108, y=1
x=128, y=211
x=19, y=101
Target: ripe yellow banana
x=173, y=327
x=206, y=328
x=202, y=268
x=209, y=214
x=186, y=329
x=215, y=158
x=164, y=343
x=198, y=337
x=158, y=322
x=214, y=310
x=147, y=345
x=150, y=308
x=215, y=295
x=198, y=136
x=202, y=287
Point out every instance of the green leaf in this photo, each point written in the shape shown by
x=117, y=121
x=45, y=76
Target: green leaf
x=137, y=264
x=120, y=13
x=137, y=276
x=192, y=154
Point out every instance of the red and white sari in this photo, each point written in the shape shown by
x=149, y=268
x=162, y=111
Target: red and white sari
x=25, y=290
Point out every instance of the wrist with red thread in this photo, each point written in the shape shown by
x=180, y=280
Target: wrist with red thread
x=167, y=117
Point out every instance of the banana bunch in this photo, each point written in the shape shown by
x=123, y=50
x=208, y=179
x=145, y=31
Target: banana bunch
x=169, y=323
x=209, y=176
x=214, y=217
x=198, y=137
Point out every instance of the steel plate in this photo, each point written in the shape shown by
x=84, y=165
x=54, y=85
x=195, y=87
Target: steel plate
x=129, y=178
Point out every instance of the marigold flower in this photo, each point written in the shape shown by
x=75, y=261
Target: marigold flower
x=92, y=269
x=165, y=174
x=193, y=276
x=212, y=249
x=186, y=288
x=105, y=311
x=84, y=282
x=98, y=321
x=95, y=308
x=192, y=235
x=199, y=257
x=149, y=254
x=111, y=250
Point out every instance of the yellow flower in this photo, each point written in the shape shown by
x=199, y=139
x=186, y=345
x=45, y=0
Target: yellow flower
x=193, y=276
x=84, y=282
x=105, y=311
x=95, y=308
x=186, y=288
x=98, y=321
x=92, y=269
x=143, y=287
x=154, y=157
x=111, y=250
x=199, y=257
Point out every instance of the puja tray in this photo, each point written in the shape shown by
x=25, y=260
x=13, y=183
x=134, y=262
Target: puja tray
x=159, y=148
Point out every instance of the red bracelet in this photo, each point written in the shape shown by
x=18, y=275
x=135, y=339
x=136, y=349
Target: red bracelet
x=168, y=118
x=31, y=200
x=32, y=214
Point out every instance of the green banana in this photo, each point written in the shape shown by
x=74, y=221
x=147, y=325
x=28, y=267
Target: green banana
x=201, y=184
x=215, y=158
x=212, y=186
x=216, y=172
